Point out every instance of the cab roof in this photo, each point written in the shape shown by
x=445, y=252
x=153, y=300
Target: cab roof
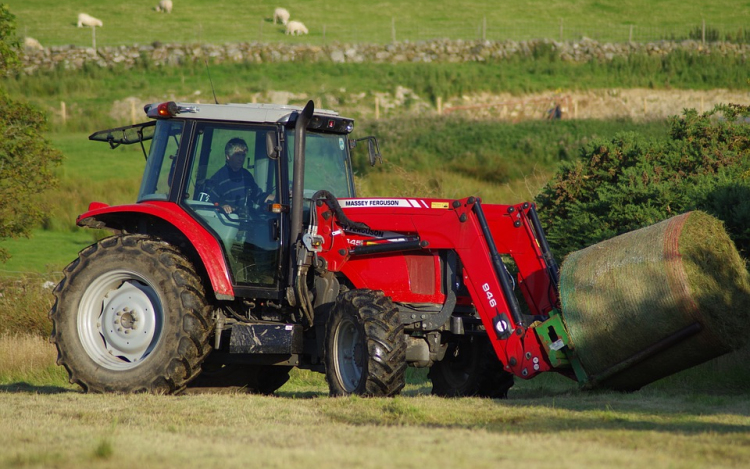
x=249, y=112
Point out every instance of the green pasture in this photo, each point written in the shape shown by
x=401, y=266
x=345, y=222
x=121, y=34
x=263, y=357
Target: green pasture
x=53, y=23
x=96, y=97
x=432, y=157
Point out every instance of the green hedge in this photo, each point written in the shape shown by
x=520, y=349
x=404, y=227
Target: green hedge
x=628, y=182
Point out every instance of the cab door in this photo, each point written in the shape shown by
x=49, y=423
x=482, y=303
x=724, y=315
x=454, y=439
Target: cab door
x=249, y=232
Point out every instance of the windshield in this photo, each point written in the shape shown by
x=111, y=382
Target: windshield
x=327, y=164
x=160, y=164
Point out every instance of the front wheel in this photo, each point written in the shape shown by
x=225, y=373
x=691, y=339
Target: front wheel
x=365, y=346
x=131, y=315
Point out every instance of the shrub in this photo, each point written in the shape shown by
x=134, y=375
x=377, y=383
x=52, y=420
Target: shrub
x=24, y=303
x=627, y=182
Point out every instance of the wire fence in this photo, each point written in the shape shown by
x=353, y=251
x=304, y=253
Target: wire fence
x=395, y=31
x=561, y=31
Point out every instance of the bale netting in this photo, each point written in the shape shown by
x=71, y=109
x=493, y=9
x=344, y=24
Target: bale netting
x=655, y=301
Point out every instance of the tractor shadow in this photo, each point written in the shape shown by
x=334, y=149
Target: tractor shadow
x=27, y=388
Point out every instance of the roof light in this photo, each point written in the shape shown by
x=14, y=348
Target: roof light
x=168, y=109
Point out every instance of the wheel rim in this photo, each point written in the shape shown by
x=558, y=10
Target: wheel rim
x=349, y=355
x=120, y=320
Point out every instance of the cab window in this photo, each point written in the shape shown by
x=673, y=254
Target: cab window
x=162, y=159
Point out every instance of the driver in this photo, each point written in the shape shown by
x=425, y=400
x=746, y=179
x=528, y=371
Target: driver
x=231, y=184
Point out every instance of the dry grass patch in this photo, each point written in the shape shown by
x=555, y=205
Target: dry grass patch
x=28, y=361
x=25, y=353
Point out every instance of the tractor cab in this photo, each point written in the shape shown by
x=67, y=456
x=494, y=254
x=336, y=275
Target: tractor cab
x=245, y=203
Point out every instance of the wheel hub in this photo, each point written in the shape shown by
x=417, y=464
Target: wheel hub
x=128, y=322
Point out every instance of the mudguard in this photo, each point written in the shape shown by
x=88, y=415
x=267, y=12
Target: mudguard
x=208, y=247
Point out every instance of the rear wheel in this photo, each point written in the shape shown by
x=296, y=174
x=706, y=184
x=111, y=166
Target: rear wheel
x=131, y=316
x=470, y=368
x=365, y=346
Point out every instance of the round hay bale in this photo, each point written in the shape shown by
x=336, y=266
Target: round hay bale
x=652, y=302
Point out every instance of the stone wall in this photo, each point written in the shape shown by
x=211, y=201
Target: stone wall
x=71, y=57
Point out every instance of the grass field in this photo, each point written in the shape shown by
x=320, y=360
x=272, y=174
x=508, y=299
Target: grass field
x=546, y=419
x=697, y=419
x=67, y=430
x=220, y=21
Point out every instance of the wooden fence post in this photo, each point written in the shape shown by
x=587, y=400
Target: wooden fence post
x=62, y=112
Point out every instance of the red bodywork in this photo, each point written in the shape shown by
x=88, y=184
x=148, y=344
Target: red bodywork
x=208, y=247
x=415, y=276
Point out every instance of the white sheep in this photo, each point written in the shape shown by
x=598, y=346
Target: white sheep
x=281, y=14
x=31, y=43
x=88, y=20
x=165, y=6
x=295, y=28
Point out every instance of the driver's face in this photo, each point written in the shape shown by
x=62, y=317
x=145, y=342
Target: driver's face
x=236, y=160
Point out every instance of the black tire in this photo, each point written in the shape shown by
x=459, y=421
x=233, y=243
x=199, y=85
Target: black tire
x=131, y=315
x=256, y=379
x=470, y=368
x=365, y=346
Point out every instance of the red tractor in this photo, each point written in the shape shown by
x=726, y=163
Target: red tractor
x=195, y=289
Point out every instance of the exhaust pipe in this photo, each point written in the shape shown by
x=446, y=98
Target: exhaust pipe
x=298, y=184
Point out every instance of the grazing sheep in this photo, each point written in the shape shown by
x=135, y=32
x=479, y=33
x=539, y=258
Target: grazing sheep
x=88, y=20
x=295, y=28
x=31, y=43
x=281, y=14
x=165, y=6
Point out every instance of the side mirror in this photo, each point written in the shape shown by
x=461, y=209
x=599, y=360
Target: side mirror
x=272, y=150
x=373, y=149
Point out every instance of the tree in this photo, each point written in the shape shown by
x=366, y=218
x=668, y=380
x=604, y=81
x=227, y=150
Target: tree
x=26, y=157
x=627, y=182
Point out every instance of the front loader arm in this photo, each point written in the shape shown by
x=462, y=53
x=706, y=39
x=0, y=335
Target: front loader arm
x=480, y=236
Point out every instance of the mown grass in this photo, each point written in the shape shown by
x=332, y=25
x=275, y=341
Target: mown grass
x=220, y=21
x=53, y=426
